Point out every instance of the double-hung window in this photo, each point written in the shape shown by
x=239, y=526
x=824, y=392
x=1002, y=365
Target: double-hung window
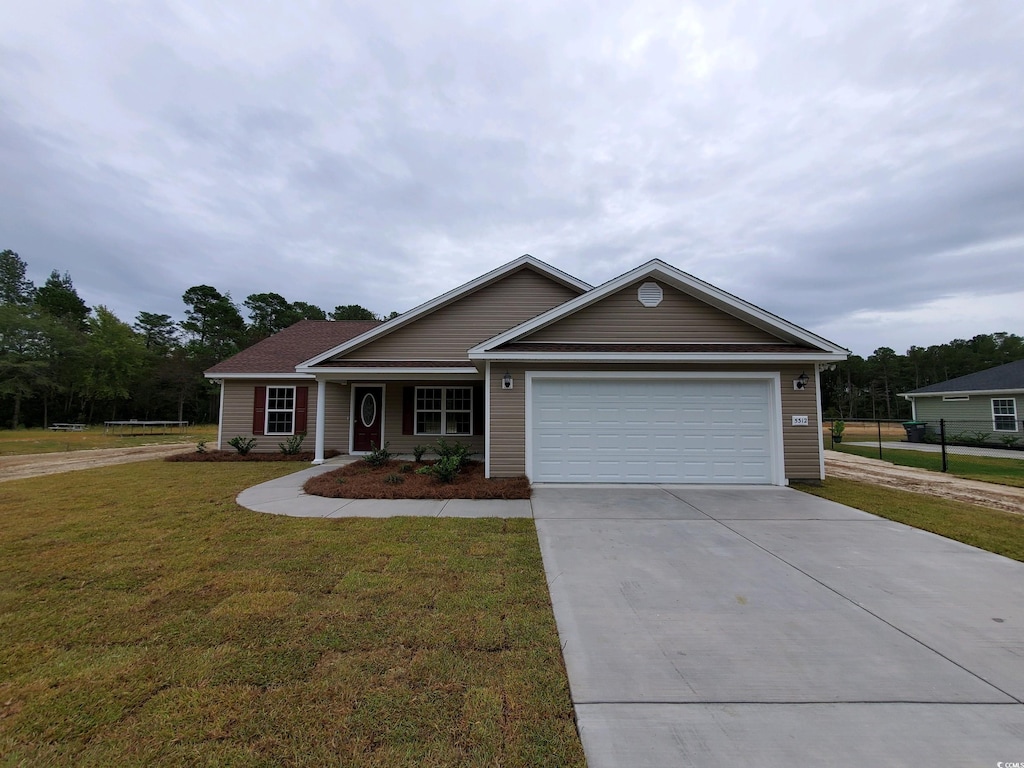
x=1004, y=414
x=444, y=410
x=280, y=410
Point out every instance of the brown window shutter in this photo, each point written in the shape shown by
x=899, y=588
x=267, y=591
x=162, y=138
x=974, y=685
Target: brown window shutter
x=408, y=410
x=259, y=410
x=478, y=409
x=301, y=408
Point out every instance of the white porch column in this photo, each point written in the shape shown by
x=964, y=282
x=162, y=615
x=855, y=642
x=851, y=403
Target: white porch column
x=321, y=418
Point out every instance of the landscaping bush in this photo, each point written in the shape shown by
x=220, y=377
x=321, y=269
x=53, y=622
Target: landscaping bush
x=456, y=450
x=292, y=445
x=242, y=444
x=443, y=470
x=378, y=457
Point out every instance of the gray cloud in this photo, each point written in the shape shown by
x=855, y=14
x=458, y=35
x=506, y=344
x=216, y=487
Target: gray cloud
x=833, y=164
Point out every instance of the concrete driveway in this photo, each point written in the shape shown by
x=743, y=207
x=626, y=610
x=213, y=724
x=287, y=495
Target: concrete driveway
x=763, y=626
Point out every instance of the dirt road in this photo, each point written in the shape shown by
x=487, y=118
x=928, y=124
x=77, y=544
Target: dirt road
x=852, y=467
x=36, y=464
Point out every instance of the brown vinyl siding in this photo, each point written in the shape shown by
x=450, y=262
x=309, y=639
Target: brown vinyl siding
x=403, y=444
x=236, y=418
x=678, y=319
x=508, y=422
x=508, y=413
x=447, y=333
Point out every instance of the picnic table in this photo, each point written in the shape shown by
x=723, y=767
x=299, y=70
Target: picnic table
x=147, y=427
x=67, y=427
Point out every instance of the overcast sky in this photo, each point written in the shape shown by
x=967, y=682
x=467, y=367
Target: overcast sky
x=856, y=167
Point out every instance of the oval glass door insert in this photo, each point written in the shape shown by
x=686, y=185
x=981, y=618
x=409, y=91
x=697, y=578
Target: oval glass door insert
x=368, y=409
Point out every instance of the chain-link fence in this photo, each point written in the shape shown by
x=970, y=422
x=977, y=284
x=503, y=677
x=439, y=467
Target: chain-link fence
x=943, y=444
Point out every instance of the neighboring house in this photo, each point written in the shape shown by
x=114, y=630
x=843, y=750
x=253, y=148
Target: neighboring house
x=654, y=376
x=988, y=400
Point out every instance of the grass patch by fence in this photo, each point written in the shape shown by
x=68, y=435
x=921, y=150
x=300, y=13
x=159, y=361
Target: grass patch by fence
x=149, y=620
x=986, y=468
x=989, y=529
x=19, y=442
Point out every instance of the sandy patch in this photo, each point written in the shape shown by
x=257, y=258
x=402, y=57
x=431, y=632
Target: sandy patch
x=850, y=467
x=36, y=464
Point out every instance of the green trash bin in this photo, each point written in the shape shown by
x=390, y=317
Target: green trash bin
x=915, y=431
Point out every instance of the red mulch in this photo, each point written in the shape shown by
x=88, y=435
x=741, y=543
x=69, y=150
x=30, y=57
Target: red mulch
x=306, y=456
x=361, y=481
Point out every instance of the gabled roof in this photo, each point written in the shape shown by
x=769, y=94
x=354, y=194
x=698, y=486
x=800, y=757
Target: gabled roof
x=1002, y=378
x=441, y=301
x=280, y=353
x=803, y=340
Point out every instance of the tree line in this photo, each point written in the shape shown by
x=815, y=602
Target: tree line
x=64, y=361
x=61, y=360
x=869, y=388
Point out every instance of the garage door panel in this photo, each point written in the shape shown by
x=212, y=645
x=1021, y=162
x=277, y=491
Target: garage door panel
x=660, y=430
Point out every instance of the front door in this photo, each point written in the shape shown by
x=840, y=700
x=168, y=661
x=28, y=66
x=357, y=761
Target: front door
x=368, y=418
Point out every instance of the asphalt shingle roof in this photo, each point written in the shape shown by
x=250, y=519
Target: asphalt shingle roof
x=1008, y=376
x=284, y=350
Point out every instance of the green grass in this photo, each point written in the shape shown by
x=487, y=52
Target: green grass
x=985, y=468
x=24, y=441
x=148, y=620
x=990, y=529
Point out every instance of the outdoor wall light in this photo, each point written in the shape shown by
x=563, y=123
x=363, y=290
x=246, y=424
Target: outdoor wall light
x=800, y=382
x=506, y=381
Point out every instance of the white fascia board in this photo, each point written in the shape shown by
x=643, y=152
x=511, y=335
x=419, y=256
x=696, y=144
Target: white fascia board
x=961, y=392
x=658, y=357
x=357, y=372
x=680, y=280
x=253, y=376
x=446, y=298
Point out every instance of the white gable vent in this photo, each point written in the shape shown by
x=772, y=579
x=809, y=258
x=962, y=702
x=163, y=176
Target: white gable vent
x=650, y=294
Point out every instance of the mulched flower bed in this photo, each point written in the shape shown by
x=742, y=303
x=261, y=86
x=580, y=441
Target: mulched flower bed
x=361, y=481
x=306, y=456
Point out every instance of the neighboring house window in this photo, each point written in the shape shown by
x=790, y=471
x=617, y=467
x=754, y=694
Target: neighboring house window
x=280, y=410
x=1004, y=414
x=444, y=410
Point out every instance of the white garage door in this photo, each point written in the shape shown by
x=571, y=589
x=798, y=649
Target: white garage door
x=651, y=431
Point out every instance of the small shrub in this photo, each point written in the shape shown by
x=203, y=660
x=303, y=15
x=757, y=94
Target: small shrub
x=340, y=480
x=242, y=444
x=406, y=468
x=418, y=451
x=1009, y=440
x=292, y=445
x=455, y=449
x=979, y=438
x=201, y=446
x=443, y=470
x=393, y=478
x=378, y=457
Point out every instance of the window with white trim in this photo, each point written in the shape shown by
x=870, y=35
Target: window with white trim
x=444, y=410
x=280, y=410
x=1004, y=414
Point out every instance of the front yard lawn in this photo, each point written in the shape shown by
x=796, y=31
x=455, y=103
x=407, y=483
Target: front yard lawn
x=147, y=619
x=990, y=529
x=400, y=480
x=989, y=469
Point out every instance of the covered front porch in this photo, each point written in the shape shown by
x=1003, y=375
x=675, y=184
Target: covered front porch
x=360, y=411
